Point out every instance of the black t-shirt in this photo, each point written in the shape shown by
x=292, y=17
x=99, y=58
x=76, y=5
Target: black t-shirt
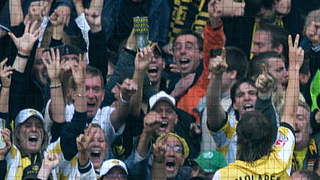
x=128, y=10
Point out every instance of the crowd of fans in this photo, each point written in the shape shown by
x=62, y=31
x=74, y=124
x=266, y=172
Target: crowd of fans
x=225, y=89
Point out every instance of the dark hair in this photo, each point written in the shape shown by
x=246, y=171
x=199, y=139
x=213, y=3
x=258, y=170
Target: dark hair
x=237, y=60
x=262, y=58
x=309, y=175
x=253, y=7
x=256, y=136
x=237, y=85
x=188, y=32
x=92, y=71
x=279, y=36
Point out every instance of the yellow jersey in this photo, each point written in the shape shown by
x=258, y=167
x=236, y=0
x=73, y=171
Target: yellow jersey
x=275, y=166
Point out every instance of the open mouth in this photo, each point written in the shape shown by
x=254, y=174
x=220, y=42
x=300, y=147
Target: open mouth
x=33, y=138
x=248, y=107
x=89, y=104
x=153, y=70
x=164, y=124
x=170, y=166
x=95, y=154
x=184, y=61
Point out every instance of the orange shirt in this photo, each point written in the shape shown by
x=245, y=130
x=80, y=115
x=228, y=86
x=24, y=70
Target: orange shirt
x=213, y=39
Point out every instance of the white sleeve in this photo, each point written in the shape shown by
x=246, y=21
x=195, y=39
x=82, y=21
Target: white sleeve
x=47, y=119
x=284, y=144
x=85, y=28
x=217, y=176
x=43, y=27
x=88, y=175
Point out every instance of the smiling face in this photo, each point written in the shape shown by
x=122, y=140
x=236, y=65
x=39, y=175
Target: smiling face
x=245, y=98
x=155, y=69
x=97, y=147
x=94, y=94
x=303, y=129
x=187, y=53
x=173, y=156
x=31, y=135
x=168, y=117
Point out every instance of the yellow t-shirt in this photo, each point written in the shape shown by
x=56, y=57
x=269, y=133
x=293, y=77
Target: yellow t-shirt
x=275, y=166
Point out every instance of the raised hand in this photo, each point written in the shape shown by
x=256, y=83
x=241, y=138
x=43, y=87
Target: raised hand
x=79, y=6
x=220, y=8
x=131, y=41
x=51, y=160
x=143, y=59
x=159, y=150
x=127, y=89
x=6, y=137
x=152, y=122
x=52, y=62
x=79, y=70
x=5, y=73
x=37, y=10
x=296, y=53
x=46, y=5
x=183, y=85
x=83, y=140
x=60, y=16
x=218, y=65
x=25, y=43
x=93, y=17
x=265, y=82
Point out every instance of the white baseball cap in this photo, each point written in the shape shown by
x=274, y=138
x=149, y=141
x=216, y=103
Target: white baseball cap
x=161, y=96
x=111, y=163
x=26, y=114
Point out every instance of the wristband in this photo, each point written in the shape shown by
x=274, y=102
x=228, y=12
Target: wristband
x=22, y=56
x=55, y=86
x=2, y=86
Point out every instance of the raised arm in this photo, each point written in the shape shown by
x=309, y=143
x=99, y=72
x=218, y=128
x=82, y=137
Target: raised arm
x=59, y=19
x=49, y=162
x=84, y=166
x=215, y=113
x=296, y=56
x=152, y=122
x=51, y=60
x=24, y=45
x=16, y=13
x=5, y=74
x=78, y=123
x=158, y=165
x=127, y=89
x=141, y=63
x=97, y=39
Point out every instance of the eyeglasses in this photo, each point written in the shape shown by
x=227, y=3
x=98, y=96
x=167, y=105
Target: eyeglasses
x=116, y=176
x=177, y=148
